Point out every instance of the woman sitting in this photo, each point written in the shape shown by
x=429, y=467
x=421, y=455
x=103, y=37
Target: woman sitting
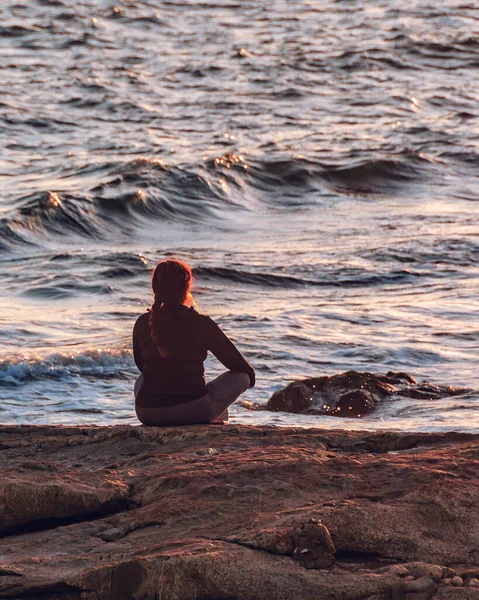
x=170, y=344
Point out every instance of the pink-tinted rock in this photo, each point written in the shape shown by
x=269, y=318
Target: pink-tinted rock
x=451, y=593
x=314, y=547
x=28, y=500
x=133, y=513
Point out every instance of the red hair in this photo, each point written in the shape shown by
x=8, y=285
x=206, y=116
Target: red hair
x=171, y=281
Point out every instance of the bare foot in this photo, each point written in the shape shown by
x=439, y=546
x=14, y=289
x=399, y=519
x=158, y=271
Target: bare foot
x=221, y=419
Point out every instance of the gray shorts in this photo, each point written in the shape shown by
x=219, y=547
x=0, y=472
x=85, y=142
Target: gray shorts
x=221, y=392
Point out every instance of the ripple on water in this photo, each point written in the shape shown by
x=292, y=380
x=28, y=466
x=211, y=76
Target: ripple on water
x=321, y=179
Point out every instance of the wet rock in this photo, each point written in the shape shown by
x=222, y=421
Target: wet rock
x=297, y=397
x=352, y=394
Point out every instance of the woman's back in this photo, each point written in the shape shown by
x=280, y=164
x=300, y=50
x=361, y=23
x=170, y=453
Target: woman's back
x=170, y=344
x=172, y=364
x=173, y=371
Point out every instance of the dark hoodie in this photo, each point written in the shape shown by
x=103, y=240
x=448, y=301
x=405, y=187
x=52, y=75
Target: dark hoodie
x=173, y=372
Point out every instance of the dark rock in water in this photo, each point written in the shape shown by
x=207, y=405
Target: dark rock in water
x=352, y=394
x=238, y=513
x=355, y=403
x=297, y=397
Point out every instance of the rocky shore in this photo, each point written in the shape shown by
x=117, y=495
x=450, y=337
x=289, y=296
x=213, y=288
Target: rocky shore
x=237, y=513
x=354, y=394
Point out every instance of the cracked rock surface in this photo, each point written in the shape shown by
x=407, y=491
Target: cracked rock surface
x=237, y=513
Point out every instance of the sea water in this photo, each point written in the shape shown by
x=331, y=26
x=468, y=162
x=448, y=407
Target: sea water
x=315, y=162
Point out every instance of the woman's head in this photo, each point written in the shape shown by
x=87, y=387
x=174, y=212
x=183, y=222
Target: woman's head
x=172, y=281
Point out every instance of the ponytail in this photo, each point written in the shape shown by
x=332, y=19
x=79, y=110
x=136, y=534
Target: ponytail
x=171, y=282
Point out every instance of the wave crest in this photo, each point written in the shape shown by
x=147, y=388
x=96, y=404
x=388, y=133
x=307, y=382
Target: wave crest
x=149, y=188
x=96, y=364
x=340, y=278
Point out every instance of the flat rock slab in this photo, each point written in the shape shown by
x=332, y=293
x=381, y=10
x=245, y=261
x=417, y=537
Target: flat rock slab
x=237, y=513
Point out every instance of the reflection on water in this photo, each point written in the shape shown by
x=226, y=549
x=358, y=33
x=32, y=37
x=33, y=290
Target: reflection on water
x=316, y=164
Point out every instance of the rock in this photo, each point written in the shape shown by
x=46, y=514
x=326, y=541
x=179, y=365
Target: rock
x=243, y=574
x=451, y=593
x=457, y=581
x=11, y=572
x=276, y=541
x=355, y=403
x=32, y=500
x=473, y=583
x=435, y=571
x=418, y=569
x=399, y=570
x=448, y=572
x=421, y=585
x=352, y=394
x=296, y=398
x=121, y=512
x=314, y=546
x=468, y=573
x=309, y=542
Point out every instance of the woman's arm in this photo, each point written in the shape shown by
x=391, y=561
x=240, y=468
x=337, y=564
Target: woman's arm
x=137, y=353
x=226, y=352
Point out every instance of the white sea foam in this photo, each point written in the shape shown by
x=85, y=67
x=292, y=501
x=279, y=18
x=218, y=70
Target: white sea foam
x=325, y=192
x=95, y=364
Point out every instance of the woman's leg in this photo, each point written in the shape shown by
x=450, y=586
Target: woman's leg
x=151, y=416
x=138, y=384
x=224, y=390
x=196, y=412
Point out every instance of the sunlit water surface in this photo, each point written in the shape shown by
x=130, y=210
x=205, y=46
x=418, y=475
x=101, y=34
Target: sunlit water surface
x=316, y=163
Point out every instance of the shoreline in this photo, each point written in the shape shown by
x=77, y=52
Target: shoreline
x=352, y=400
x=238, y=512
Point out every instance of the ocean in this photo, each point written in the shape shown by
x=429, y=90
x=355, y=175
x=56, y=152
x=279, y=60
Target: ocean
x=316, y=162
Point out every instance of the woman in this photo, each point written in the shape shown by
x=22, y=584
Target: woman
x=170, y=343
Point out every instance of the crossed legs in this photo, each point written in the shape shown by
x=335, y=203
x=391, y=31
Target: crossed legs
x=221, y=392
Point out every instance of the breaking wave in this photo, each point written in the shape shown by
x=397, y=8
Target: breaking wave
x=93, y=364
x=145, y=188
